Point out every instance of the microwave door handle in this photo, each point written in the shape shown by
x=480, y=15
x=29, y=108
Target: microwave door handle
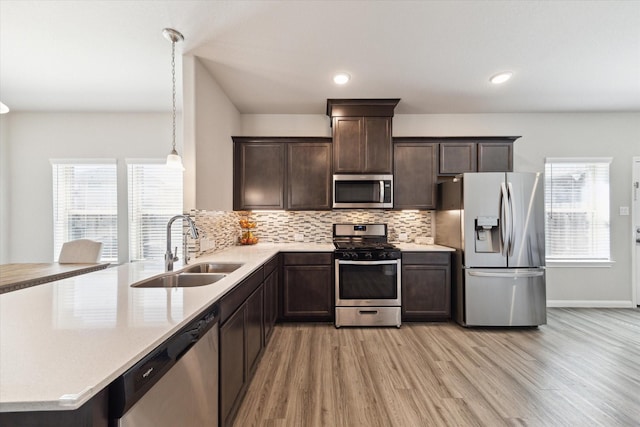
x=381, y=191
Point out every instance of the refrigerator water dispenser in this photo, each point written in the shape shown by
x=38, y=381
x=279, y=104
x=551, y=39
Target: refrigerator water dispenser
x=487, y=238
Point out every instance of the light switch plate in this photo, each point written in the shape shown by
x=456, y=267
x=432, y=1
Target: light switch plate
x=624, y=210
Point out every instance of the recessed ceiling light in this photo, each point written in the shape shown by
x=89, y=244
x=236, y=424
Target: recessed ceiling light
x=501, y=77
x=341, y=78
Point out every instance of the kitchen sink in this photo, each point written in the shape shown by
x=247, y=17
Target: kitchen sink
x=179, y=280
x=212, y=267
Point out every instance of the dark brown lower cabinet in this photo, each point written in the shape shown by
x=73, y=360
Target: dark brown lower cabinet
x=426, y=286
x=270, y=304
x=254, y=332
x=241, y=345
x=307, y=287
x=233, y=373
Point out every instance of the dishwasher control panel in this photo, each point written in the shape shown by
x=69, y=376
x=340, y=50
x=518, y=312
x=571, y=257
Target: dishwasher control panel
x=127, y=389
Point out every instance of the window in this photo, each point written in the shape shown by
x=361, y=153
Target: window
x=85, y=204
x=155, y=195
x=577, y=209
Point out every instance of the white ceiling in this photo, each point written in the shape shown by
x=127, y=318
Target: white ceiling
x=278, y=56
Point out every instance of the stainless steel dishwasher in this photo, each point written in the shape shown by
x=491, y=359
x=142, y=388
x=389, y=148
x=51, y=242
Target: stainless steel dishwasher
x=176, y=384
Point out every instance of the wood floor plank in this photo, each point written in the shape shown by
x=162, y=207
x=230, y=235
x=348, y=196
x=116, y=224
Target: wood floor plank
x=582, y=368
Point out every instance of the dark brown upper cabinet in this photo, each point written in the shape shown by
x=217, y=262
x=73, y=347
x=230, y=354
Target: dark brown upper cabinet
x=415, y=168
x=362, y=134
x=495, y=156
x=309, y=176
x=258, y=175
x=282, y=173
x=476, y=154
x=458, y=157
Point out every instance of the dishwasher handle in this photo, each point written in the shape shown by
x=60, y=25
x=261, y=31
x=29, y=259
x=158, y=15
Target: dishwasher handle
x=179, y=346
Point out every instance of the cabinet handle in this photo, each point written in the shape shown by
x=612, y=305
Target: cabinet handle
x=368, y=312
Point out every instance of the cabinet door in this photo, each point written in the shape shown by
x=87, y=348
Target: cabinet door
x=347, y=144
x=233, y=373
x=426, y=292
x=457, y=157
x=377, y=145
x=270, y=304
x=414, y=178
x=258, y=176
x=307, y=292
x=495, y=157
x=309, y=176
x=254, y=332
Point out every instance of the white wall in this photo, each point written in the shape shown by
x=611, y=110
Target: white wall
x=34, y=138
x=614, y=135
x=212, y=120
x=5, y=189
x=286, y=125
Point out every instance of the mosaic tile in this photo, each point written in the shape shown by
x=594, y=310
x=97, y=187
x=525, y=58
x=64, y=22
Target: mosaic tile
x=222, y=228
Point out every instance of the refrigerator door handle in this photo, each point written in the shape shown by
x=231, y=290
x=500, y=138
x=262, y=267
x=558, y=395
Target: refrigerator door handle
x=512, y=219
x=513, y=274
x=504, y=219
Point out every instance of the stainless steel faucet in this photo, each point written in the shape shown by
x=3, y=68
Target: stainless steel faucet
x=169, y=257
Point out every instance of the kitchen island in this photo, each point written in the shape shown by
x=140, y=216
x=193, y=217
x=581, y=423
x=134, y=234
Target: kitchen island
x=64, y=342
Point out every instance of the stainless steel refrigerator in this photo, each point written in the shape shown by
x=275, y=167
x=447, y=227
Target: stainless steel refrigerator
x=496, y=223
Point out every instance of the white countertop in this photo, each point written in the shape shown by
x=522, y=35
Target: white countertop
x=414, y=247
x=63, y=342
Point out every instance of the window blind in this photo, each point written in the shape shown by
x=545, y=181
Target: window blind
x=577, y=209
x=85, y=204
x=155, y=195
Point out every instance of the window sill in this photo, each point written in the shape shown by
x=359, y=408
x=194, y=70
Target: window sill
x=574, y=263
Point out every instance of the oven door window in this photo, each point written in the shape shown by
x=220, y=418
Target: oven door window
x=368, y=281
x=357, y=192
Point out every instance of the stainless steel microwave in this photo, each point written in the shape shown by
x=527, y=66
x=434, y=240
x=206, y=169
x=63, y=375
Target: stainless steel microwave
x=362, y=191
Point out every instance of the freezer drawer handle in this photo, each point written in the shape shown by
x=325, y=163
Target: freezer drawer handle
x=515, y=275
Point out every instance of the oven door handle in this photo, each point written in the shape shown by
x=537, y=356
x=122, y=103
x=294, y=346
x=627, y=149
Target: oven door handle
x=395, y=261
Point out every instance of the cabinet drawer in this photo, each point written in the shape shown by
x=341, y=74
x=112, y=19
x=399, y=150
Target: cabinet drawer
x=430, y=258
x=308, y=258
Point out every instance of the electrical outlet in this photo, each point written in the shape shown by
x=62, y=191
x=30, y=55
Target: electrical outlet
x=298, y=237
x=624, y=210
x=403, y=237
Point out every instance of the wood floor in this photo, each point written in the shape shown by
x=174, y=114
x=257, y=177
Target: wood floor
x=581, y=369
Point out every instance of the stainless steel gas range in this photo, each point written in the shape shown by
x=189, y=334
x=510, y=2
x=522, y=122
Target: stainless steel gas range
x=368, y=281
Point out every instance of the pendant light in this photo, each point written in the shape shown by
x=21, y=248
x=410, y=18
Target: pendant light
x=174, y=160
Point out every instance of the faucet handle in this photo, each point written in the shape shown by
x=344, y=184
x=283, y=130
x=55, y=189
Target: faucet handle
x=175, y=257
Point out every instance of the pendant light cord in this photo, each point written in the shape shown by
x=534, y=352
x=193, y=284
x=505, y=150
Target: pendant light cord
x=173, y=78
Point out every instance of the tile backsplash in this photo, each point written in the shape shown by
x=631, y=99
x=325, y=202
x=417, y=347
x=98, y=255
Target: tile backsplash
x=220, y=230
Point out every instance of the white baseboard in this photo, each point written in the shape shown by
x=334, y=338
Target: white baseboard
x=590, y=304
